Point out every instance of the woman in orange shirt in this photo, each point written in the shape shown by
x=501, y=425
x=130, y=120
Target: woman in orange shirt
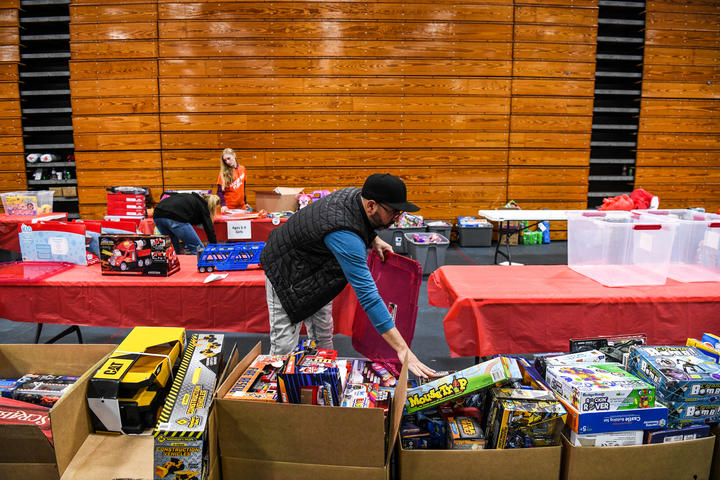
x=231, y=182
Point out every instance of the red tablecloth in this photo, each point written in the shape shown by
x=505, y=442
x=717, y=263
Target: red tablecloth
x=259, y=228
x=83, y=296
x=9, y=227
x=527, y=309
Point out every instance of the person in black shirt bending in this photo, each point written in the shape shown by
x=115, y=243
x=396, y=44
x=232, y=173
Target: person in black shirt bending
x=175, y=216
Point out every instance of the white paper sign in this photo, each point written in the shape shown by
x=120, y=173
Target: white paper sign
x=239, y=230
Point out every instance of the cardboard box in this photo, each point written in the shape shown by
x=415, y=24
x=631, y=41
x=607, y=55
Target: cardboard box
x=715, y=467
x=278, y=200
x=26, y=453
x=691, y=459
x=69, y=192
x=541, y=463
x=272, y=440
x=97, y=456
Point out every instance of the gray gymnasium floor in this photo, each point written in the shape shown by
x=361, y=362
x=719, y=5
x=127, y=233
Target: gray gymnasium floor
x=429, y=342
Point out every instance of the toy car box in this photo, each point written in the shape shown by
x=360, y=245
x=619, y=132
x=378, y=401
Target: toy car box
x=180, y=434
x=600, y=387
x=460, y=383
x=138, y=255
x=521, y=418
x=680, y=373
x=125, y=393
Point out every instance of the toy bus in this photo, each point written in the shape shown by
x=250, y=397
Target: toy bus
x=229, y=256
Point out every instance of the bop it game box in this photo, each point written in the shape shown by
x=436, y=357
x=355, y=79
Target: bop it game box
x=680, y=373
x=461, y=383
x=138, y=255
x=600, y=387
x=181, y=430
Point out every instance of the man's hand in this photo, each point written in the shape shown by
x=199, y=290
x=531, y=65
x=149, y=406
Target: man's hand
x=416, y=366
x=397, y=342
x=381, y=246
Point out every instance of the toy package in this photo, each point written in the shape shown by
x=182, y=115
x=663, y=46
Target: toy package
x=360, y=395
x=15, y=412
x=671, y=435
x=681, y=414
x=600, y=387
x=681, y=374
x=126, y=392
x=311, y=376
x=522, y=418
x=138, y=255
x=711, y=340
x=588, y=357
x=477, y=377
x=464, y=433
x=705, y=349
x=259, y=381
x=616, y=420
x=53, y=242
x=613, y=439
x=181, y=430
x=43, y=390
x=615, y=347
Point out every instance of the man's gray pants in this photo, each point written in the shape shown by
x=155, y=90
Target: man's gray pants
x=284, y=334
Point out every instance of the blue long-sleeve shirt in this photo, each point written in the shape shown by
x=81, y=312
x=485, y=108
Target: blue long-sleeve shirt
x=350, y=252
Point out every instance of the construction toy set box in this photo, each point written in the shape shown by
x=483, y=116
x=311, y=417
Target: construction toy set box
x=180, y=434
x=138, y=255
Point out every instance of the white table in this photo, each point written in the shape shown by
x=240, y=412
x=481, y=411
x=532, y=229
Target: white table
x=508, y=215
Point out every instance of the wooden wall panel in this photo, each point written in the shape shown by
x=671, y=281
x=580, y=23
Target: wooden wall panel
x=319, y=95
x=12, y=162
x=679, y=133
x=114, y=90
x=552, y=98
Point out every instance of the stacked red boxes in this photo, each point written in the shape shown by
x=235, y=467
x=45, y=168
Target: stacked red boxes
x=125, y=205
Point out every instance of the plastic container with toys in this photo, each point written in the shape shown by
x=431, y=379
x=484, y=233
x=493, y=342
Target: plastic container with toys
x=28, y=203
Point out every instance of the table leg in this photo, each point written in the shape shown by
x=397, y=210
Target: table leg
x=67, y=331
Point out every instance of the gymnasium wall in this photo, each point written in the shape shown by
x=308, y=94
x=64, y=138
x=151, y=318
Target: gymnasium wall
x=12, y=163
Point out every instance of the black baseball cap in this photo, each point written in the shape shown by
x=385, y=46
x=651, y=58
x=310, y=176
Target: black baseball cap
x=388, y=190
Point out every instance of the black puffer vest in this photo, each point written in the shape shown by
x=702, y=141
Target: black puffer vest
x=302, y=270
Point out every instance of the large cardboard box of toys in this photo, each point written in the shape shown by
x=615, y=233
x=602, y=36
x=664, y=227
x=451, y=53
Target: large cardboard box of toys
x=188, y=439
x=510, y=412
x=27, y=452
x=264, y=440
x=138, y=255
x=281, y=199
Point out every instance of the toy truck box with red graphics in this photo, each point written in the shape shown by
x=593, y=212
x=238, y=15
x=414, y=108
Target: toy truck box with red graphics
x=138, y=255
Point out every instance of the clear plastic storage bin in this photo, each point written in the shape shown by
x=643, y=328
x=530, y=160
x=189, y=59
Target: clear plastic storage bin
x=620, y=248
x=694, y=256
x=430, y=255
x=28, y=203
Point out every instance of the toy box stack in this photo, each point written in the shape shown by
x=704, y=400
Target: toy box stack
x=181, y=430
x=126, y=202
x=687, y=382
x=138, y=255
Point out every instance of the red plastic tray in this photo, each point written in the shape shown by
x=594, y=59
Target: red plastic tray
x=29, y=272
x=398, y=280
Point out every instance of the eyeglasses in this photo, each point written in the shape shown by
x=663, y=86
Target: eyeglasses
x=395, y=214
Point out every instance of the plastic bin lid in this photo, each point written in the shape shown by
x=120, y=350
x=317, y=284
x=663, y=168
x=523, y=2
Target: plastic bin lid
x=398, y=280
x=28, y=272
